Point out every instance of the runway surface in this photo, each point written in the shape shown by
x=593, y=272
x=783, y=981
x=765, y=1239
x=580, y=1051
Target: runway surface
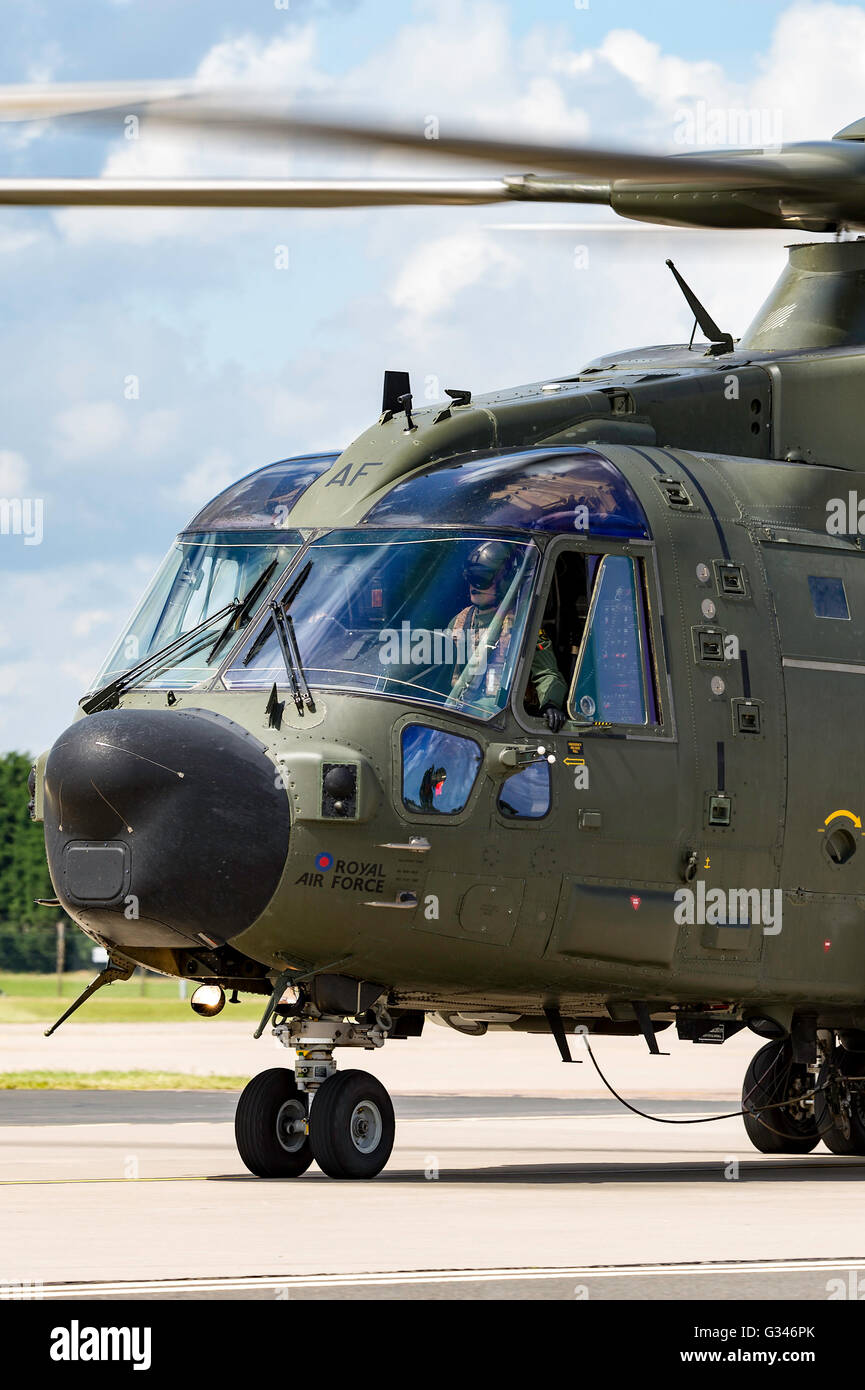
x=110, y=1195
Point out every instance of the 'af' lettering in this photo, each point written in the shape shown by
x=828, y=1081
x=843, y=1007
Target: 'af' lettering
x=345, y=475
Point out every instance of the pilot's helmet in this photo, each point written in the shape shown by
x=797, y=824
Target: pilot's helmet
x=491, y=565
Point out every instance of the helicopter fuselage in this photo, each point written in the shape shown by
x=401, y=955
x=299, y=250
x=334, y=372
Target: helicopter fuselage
x=700, y=852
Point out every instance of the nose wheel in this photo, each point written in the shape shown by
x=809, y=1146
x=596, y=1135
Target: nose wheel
x=351, y=1126
x=349, y=1129
x=270, y=1126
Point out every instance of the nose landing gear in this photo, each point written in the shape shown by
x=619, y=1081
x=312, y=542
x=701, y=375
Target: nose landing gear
x=270, y=1126
x=342, y=1120
x=352, y=1126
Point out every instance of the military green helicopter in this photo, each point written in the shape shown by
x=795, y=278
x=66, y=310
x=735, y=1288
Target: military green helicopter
x=534, y=711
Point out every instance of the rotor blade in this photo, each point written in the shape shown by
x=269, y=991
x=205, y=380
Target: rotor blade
x=251, y=193
x=232, y=113
x=720, y=170
x=32, y=102
x=815, y=187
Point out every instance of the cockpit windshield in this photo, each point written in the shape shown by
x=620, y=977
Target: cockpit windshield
x=200, y=576
x=412, y=614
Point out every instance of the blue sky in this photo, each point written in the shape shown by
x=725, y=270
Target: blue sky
x=238, y=362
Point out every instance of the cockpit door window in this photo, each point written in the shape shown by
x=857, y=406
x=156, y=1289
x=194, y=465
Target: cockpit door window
x=612, y=680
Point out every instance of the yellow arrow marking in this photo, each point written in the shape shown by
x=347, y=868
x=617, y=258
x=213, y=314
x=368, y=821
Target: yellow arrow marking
x=855, y=819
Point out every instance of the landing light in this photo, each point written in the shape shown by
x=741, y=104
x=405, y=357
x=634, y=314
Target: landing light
x=208, y=1000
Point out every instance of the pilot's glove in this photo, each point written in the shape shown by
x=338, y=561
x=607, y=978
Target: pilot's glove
x=554, y=716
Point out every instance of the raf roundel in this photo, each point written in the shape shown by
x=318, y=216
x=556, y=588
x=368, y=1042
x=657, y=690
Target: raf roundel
x=324, y=861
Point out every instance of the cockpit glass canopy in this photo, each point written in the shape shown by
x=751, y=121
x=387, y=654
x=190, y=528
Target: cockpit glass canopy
x=411, y=614
x=264, y=498
x=558, y=489
x=201, y=575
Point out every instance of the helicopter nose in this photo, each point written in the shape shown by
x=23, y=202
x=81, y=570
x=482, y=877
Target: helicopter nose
x=163, y=827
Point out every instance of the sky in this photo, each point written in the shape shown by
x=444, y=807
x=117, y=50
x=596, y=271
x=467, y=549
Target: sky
x=148, y=358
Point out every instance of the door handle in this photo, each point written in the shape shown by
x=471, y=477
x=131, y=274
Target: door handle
x=504, y=758
x=405, y=901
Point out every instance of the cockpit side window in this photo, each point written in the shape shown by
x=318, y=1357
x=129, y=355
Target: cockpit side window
x=613, y=680
x=592, y=656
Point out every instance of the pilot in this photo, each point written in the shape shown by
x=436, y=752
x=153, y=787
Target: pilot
x=489, y=571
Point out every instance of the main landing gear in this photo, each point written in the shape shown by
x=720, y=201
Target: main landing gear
x=776, y=1099
x=342, y=1120
x=790, y=1106
x=839, y=1106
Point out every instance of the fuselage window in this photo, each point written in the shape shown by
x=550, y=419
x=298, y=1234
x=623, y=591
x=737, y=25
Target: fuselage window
x=526, y=795
x=438, y=770
x=828, y=597
x=613, y=678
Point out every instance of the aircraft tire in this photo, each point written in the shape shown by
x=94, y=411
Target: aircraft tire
x=351, y=1125
x=268, y=1105
x=841, y=1138
x=773, y=1076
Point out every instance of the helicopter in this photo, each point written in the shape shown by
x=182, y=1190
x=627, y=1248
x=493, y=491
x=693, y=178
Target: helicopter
x=536, y=710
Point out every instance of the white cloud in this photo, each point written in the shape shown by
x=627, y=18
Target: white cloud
x=215, y=472
x=815, y=69
x=13, y=474
x=12, y=242
x=60, y=624
x=89, y=619
x=90, y=429
x=664, y=80
x=279, y=66
x=434, y=275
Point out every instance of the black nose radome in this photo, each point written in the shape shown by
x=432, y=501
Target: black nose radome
x=161, y=825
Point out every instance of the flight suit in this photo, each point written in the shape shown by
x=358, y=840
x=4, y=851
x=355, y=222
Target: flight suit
x=546, y=678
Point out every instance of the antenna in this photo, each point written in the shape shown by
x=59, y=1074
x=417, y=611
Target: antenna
x=396, y=385
x=719, y=342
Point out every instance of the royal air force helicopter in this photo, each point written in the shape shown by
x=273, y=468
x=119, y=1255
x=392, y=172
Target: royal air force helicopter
x=540, y=710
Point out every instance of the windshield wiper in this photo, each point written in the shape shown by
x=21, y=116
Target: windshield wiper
x=108, y=697
x=301, y=674
x=270, y=625
x=236, y=619
x=287, y=638
x=281, y=627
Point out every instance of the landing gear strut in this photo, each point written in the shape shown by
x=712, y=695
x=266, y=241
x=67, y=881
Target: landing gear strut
x=343, y=1120
x=839, y=1106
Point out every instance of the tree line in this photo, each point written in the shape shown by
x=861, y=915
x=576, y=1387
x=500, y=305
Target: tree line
x=28, y=933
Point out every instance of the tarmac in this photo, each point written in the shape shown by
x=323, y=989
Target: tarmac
x=512, y=1176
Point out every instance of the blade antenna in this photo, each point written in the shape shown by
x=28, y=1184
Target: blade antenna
x=718, y=342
